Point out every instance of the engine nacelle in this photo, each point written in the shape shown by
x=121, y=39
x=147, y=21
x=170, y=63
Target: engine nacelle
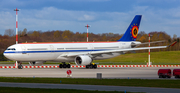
x=83, y=60
x=36, y=63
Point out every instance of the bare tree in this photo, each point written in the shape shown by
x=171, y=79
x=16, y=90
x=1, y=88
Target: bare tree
x=174, y=37
x=9, y=32
x=24, y=32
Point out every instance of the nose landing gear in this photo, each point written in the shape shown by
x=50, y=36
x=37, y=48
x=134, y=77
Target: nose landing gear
x=19, y=65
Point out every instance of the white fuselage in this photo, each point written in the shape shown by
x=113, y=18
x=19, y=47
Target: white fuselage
x=54, y=51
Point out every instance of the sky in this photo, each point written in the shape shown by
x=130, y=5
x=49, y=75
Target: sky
x=104, y=16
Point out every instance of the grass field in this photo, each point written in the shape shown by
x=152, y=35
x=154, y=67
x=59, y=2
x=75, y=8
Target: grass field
x=167, y=57
x=163, y=83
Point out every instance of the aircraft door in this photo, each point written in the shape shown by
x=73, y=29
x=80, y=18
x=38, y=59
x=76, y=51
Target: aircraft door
x=23, y=49
x=91, y=48
x=51, y=48
x=52, y=52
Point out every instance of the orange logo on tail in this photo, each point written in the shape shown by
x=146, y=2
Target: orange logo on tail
x=134, y=31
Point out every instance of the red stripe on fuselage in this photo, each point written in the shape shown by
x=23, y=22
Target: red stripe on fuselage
x=64, y=42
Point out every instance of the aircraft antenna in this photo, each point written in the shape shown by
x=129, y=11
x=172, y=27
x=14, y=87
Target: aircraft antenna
x=16, y=24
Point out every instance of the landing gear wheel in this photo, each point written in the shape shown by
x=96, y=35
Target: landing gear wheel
x=20, y=66
x=94, y=66
x=91, y=66
x=68, y=66
x=60, y=66
x=87, y=66
x=64, y=65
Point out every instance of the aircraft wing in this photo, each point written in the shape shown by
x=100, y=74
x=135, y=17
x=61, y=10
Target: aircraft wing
x=113, y=51
x=127, y=49
x=147, y=43
x=110, y=51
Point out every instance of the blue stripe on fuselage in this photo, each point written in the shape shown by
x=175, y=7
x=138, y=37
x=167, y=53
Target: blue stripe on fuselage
x=54, y=51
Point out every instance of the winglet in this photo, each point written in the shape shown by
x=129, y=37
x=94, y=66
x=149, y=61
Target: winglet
x=172, y=44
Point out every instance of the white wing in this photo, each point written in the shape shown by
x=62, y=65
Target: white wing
x=113, y=51
x=109, y=51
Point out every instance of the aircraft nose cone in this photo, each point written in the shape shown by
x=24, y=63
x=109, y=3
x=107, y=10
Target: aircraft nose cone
x=5, y=54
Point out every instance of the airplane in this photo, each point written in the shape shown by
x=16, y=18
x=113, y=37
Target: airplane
x=82, y=53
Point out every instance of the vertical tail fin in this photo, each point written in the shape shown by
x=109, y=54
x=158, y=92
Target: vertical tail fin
x=132, y=31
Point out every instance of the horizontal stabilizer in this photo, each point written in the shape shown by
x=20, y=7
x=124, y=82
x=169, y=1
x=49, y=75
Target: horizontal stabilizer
x=172, y=44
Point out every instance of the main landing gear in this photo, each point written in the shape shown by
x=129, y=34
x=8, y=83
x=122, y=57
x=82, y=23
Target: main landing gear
x=64, y=65
x=91, y=66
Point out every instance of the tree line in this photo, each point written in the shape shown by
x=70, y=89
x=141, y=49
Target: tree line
x=68, y=36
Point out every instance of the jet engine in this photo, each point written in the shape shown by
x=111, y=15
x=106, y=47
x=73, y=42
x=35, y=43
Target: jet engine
x=36, y=63
x=83, y=60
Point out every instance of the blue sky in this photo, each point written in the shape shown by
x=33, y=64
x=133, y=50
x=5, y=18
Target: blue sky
x=104, y=16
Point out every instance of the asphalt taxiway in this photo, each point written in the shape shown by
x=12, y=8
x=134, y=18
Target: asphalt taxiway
x=128, y=72
x=109, y=72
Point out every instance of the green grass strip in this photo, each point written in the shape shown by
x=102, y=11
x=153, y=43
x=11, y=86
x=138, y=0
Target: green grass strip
x=162, y=83
x=156, y=57
x=38, y=90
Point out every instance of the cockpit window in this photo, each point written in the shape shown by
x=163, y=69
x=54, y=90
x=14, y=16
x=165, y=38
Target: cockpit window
x=10, y=49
